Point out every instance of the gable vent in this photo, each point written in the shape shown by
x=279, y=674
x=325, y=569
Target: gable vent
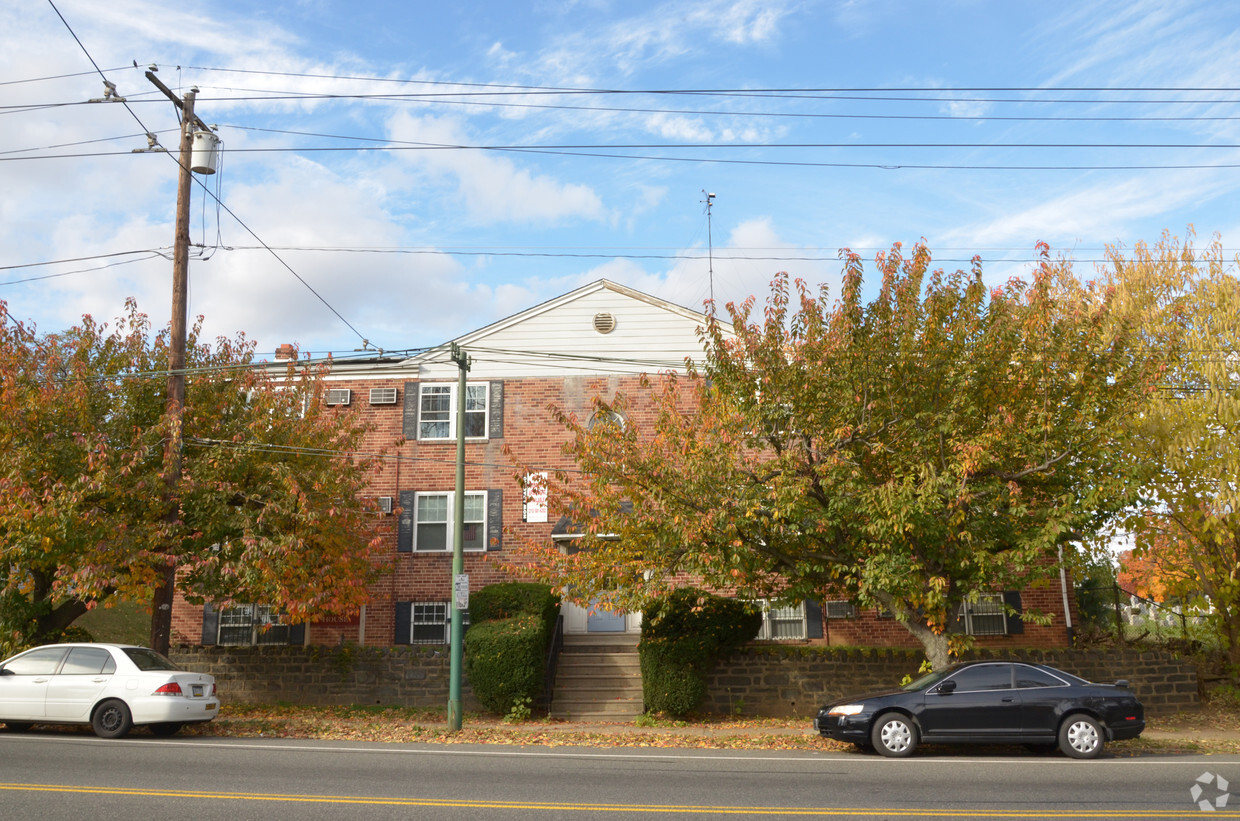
x=339, y=396
x=604, y=323
x=383, y=396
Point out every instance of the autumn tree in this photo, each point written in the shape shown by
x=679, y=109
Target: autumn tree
x=269, y=507
x=1188, y=303
x=915, y=451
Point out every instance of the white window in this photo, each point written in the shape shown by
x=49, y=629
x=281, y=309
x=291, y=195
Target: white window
x=985, y=617
x=247, y=624
x=437, y=411
x=433, y=521
x=431, y=622
x=782, y=622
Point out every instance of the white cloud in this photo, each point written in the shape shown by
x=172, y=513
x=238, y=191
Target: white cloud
x=670, y=31
x=1106, y=210
x=679, y=128
x=738, y=273
x=493, y=188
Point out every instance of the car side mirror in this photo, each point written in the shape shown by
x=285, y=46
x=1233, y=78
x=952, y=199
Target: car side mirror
x=946, y=688
x=1123, y=682
x=4, y=671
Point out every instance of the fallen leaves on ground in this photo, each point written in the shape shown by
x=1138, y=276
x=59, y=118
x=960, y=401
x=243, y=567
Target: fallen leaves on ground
x=429, y=726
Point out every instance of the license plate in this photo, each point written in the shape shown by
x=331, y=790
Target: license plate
x=196, y=689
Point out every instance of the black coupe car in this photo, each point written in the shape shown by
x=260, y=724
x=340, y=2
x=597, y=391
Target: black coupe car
x=989, y=702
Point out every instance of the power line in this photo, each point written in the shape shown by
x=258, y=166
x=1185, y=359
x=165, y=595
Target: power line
x=225, y=207
x=84, y=259
x=58, y=76
x=151, y=255
x=518, y=88
x=829, y=116
x=82, y=142
x=883, y=166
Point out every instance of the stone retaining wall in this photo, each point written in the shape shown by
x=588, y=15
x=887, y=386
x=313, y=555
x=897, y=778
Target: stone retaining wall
x=760, y=680
x=414, y=676
x=769, y=680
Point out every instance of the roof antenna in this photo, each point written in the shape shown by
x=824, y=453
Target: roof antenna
x=710, y=250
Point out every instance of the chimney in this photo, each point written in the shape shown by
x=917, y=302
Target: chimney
x=286, y=351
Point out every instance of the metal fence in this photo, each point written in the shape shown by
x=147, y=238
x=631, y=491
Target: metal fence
x=1120, y=613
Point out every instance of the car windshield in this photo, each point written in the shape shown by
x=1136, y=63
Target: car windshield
x=145, y=659
x=928, y=680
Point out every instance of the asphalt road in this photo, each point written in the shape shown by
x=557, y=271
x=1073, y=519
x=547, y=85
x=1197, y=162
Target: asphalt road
x=69, y=775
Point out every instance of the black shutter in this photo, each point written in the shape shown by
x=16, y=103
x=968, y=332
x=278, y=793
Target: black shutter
x=1015, y=624
x=404, y=623
x=404, y=525
x=813, y=619
x=496, y=423
x=210, y=624
x=410, y=422
x=495, y=519
x=297, y=634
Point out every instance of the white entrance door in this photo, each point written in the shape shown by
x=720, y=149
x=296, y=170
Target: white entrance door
x=605, y=621
x=578, y=620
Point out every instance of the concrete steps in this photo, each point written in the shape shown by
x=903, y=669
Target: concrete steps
x=598, y=678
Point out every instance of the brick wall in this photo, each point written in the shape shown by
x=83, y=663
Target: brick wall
x=771, y=680
x=760, y=680
x=531, y=435
x=868, y=629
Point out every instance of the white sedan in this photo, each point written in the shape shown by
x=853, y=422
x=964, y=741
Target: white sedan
x=111, y=687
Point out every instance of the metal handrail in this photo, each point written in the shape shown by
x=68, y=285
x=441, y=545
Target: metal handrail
x=553, y=661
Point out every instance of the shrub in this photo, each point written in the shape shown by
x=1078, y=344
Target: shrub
x=506, y=644
x=509, y=599
x=683, y=635
x=504, y=660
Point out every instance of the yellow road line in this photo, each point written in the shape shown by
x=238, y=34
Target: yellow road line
x=819, y=812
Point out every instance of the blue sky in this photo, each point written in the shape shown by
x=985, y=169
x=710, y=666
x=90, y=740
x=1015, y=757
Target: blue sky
x=977, y=125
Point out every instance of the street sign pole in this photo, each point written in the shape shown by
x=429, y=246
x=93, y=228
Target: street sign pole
x=457, y=647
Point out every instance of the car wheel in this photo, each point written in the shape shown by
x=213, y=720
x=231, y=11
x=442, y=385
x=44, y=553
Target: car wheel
x=111, y=719
x=894, y=735
x=166, y=729
x=1081, y=737
x=18, y=726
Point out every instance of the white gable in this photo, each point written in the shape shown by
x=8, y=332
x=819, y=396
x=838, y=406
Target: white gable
x=562, y=337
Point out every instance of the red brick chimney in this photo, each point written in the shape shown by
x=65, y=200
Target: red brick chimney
x=286, y=351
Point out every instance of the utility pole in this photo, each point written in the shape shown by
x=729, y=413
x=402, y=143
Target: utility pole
x=460, y=581
x=161, y=608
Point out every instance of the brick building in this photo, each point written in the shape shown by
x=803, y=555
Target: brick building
x=593, y=341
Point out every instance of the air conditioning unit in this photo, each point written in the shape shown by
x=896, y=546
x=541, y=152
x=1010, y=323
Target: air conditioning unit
x=383, y=396
x=339, y=396
x=839, y=610
x=385, y=504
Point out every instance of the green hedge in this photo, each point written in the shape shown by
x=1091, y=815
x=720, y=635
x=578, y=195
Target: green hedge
x=506, y=644
x=683, y=635
x=504, y=660
x=509, y=599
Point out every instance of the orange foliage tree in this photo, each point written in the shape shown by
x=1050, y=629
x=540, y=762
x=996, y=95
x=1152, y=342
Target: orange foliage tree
x=914, y=451
x=1188, y=304
x=266, y=510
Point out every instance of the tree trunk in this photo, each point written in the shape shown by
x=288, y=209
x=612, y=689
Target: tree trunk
x=937, y=645
x=51, y=624
x=1231, y=635
x=161, y=610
